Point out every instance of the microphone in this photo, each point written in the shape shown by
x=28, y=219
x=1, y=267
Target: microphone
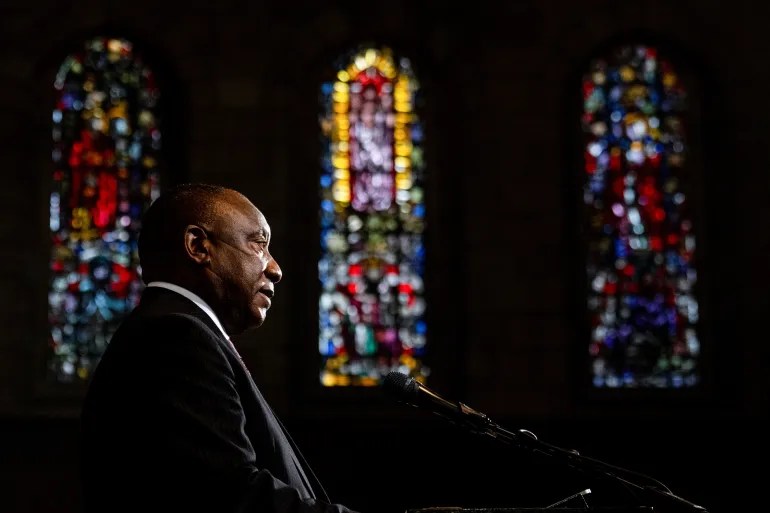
x=410, y=391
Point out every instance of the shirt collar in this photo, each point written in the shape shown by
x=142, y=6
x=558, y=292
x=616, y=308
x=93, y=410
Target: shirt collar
x=195, y=299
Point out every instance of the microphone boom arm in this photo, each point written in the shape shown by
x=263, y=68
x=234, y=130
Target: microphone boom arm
x=660, y=495
x=414, y=393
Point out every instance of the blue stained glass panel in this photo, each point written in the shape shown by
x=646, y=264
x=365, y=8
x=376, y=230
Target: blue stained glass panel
x=641, y=240
x=372, y=216
x=106, y=172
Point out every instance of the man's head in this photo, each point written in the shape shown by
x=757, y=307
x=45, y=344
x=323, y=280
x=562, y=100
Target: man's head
x=213, y=241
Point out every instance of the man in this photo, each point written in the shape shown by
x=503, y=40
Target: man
x=172, y=420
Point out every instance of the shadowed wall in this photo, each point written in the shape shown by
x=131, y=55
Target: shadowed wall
x=241, y=79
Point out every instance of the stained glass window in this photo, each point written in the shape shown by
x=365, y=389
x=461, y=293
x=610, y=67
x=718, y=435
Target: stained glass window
x=372, y=217
x=641, y=240
x=106, y=160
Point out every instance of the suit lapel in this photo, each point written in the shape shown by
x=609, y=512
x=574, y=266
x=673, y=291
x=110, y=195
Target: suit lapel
x=159, y=301
x=312, y=483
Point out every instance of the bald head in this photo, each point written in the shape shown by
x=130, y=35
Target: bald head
x=164, y=224
x=214, y=242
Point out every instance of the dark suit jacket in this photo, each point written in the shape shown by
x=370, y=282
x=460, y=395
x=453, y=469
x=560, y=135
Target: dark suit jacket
x=173, y=421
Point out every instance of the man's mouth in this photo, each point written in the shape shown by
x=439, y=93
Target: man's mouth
x=268, y=295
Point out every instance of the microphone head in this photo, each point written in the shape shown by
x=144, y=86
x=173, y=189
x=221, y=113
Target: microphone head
x=401, y=386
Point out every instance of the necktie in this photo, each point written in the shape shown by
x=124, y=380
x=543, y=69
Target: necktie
x=237, y=354
x=300, y=462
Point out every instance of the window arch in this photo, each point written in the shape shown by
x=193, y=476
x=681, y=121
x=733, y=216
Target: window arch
x=106, y=172
x=638, y=221
x=372, y=219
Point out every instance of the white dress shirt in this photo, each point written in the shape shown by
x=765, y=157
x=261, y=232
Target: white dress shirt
x=194, y=298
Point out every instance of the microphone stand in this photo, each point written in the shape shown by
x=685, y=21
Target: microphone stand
x=655, y=491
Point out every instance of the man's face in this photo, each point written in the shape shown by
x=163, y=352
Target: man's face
x=242, y=271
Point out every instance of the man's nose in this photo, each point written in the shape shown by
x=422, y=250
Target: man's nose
x=273, y=271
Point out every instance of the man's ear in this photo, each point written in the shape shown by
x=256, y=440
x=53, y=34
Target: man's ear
x=197, y=244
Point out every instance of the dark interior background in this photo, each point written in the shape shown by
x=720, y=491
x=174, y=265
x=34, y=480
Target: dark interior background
x=501, y=84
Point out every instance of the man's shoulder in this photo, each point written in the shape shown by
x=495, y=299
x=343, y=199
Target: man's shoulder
x=142, y=336
x=154, y=324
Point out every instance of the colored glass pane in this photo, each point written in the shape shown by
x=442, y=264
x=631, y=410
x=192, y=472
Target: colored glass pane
x=372, y=217
x=106, y=157
x=641, y=251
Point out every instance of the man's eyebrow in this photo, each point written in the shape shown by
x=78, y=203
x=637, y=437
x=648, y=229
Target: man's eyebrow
x=262, y=232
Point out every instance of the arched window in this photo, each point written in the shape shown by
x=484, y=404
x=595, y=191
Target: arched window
x=372, y=212
x=106, y=160
x=638, y=222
